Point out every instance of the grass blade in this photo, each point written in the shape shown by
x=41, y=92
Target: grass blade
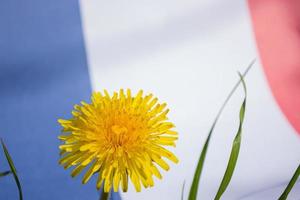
x=182, y=190
x=290, y=185
x=235, y=149
x=13, y=169
x=5, y=173
x=195, y=184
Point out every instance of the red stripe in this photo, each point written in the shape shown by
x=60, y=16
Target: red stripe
x=276, y=25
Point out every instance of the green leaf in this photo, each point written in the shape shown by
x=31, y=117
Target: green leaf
x=199, y=168
x=235, y=149
x=5, y=173
x=13, y=169
x=290, y=185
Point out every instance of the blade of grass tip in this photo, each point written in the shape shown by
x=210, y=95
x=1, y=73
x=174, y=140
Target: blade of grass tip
x=235, y=148
x=5, y=173
x=198, y=171
x=182, y=190
x=13, y=169
x=290, y=185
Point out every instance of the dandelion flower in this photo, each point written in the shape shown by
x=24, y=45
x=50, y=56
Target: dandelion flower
x=117, y=138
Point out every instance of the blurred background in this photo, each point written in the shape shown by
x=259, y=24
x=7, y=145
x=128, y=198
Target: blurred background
x=53, y=54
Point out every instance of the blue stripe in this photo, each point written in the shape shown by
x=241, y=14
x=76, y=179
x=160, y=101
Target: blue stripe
x=43, y=72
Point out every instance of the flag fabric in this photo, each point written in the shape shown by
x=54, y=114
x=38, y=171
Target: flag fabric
x=278, y=44
x=54, y=53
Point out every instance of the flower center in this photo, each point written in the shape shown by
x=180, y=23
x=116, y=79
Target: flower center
x=119, y=130
x=119, y=134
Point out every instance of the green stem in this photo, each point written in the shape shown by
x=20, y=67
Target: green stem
x=104, y=195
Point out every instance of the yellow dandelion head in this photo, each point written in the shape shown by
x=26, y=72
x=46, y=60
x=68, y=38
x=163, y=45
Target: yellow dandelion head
x=118, y=137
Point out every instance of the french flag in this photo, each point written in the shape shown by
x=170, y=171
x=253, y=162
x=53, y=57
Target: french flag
x=53, y=54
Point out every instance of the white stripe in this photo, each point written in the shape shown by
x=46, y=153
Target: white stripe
x=187, y=53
